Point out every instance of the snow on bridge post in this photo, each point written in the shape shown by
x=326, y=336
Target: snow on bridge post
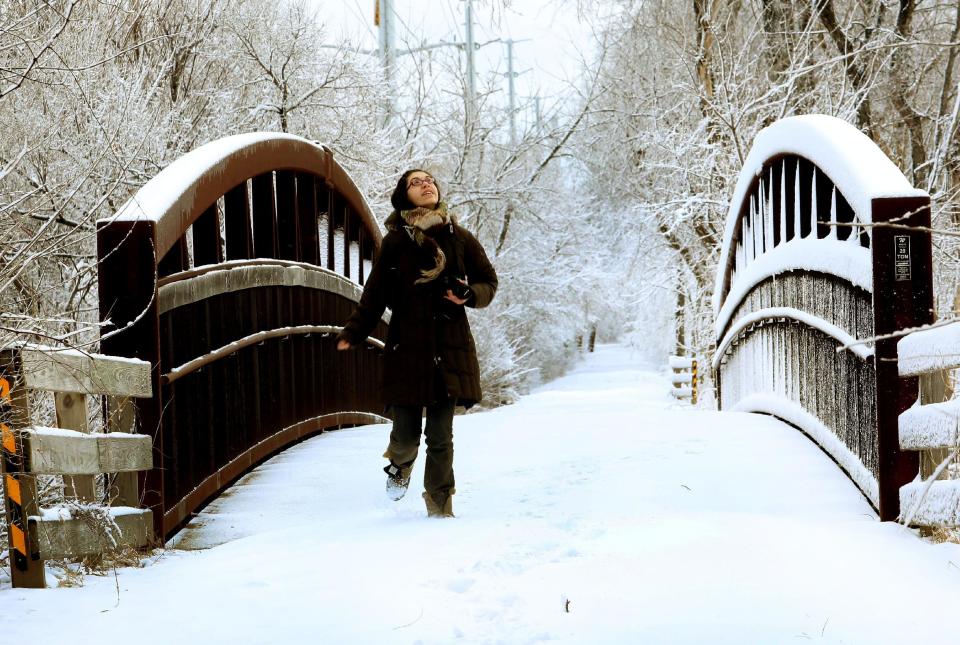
x=903, y=298
x=820, y=254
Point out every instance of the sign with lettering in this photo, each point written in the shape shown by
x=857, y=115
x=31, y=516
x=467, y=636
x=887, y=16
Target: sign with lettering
x=901, y=258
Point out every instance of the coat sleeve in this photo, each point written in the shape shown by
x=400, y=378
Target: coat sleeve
x=373, y=301
x=480, y=273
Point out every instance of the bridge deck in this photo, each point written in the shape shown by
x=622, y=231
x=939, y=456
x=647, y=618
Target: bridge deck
x=657, y=523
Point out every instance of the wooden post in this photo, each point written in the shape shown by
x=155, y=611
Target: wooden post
x=128, y=298
x=933, y=389
x=236, y=215
x=124, y=488
x=20, y=498
x=72, y=415
x=693, y=382
x=902, y=298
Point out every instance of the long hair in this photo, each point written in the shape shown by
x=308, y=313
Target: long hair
x=399, y=198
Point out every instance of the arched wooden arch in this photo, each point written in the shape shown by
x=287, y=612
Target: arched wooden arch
x=230, y=272
x=810, y=265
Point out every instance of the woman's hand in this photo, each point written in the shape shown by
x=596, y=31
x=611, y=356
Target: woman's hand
x=343, y=344
x=455, y=299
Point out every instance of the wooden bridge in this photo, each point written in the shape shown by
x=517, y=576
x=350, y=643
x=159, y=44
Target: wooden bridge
x=228, y=274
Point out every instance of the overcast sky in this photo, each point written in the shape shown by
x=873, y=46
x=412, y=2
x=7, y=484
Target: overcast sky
x=547, y=62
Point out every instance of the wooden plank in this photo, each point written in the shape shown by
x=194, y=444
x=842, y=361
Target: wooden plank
x=69, y=370
x=71, y=533
x=238, y=278
x=55, y=451
x=931, y=503
x=72, y=415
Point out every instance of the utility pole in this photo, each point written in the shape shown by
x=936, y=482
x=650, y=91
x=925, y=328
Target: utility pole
x=511, y=85
x=471, y=105
x=383, y=19
x=513, y=93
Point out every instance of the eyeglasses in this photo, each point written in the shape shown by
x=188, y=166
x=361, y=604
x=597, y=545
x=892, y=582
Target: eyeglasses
x=420, y=181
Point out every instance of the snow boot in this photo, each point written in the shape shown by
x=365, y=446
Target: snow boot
x=439, y=510
x=398, y=479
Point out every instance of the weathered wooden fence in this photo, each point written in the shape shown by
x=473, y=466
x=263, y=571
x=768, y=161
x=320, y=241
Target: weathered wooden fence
x=86, y=523
x=821, y=250
x=228, y=273
x=931, y=427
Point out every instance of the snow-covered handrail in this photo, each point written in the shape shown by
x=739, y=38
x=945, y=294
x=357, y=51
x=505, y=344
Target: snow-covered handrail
x=180, y=193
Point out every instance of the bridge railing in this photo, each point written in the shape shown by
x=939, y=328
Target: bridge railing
x=822, y=253
x=226, y=273
x=931, y=427
x=86, y=523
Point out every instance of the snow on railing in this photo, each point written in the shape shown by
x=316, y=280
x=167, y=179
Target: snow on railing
x=931, y=426
x=684, y=378
x=776, y=199
x=176, y=197
x=928, y=350
x=81, y=526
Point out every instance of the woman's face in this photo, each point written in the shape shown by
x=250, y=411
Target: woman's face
x=422, y=190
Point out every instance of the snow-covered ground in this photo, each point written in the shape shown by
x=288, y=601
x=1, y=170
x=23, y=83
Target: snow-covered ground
x=596, y=510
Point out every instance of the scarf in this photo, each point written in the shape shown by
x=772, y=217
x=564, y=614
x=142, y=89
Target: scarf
x=420, y=220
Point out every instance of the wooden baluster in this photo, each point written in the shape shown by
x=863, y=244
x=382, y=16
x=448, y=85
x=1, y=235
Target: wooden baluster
x=287, y=215
x=347, y=216
x=307, y=218
x=206, y=238
x=236, y=206
x=332, y=202
x=264, y=217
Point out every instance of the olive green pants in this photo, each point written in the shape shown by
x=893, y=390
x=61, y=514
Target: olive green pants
x=438, y=478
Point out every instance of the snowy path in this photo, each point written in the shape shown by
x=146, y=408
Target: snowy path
x=659, y=524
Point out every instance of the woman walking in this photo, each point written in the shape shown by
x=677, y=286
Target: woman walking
x=429, y=268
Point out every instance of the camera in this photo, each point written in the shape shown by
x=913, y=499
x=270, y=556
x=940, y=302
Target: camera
x=454, y=284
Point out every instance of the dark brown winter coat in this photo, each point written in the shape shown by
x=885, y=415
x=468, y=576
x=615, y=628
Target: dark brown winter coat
x=430, y=352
